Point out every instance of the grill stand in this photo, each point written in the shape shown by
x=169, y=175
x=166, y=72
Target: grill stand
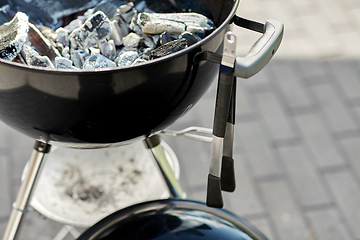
x=36, y=163
x=20, y=206
x=158, y=153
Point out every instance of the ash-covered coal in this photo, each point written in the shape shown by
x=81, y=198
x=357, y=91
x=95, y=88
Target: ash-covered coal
x=111, y=34
x=13, y=35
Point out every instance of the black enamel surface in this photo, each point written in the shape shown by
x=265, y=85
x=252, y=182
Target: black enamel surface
x=172, y=219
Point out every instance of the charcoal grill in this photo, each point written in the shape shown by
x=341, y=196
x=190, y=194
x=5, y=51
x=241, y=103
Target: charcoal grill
x=108, y=108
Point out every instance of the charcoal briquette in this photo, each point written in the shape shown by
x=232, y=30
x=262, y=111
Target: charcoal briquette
x=94, y=29
x=43, y=45
x=126, y=58
x=165, y=38
x=64, y=63
x=190, y=38
x=74, y=24
x=98, y=61
x=62, y=36
x=168, y=48
x=138, y=61
x=94, y=50
x=118, y=31
x=13, y=35
x=131, y=40
x=33, y=58
x=78, y=56
x=127, y=12
x=174, y=23
x=107, y=7
x=66, y=52
x=108, y=49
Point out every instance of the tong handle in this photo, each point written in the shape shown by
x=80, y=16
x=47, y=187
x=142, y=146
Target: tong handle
x=214, y=196
x=227, y=175
x=223, y=97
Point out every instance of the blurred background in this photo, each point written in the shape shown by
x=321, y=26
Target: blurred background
x=297, y=141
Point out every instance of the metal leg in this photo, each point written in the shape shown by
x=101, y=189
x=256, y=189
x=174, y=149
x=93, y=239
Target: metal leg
x=27, y=185
x=153, y=143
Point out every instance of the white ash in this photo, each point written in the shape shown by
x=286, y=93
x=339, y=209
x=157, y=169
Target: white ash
x=174, y=23
x=87, y=14
x=66, y=52
x=138, y=61
x=96, y=28
x=137, y=29
x=98, y=61
x=108, y=49
x=13, y=35
x=62, y=36
x=33, y=58
x=74, y=24
x=127, y=12
x=115, y=33
x=119, y=30
x=126, y=58
x=78, y=57
x=131, y=40
x=94, y=50
x=64, y=63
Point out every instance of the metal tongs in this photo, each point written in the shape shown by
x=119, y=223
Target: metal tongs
x=222, y=174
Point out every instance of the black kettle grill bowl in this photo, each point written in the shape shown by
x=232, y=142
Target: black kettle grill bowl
x=88, y=109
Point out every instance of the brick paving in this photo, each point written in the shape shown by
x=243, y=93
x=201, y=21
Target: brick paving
x=297, y=137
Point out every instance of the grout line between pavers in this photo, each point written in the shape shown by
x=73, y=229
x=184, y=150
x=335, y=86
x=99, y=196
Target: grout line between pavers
x=298, y=111
x=334, y=169
x=349, y=134
x=296, y=141
x=319, y=207
x=256, y=216
x=271, y=178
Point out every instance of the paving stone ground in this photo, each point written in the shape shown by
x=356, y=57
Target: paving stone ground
x=297, y=138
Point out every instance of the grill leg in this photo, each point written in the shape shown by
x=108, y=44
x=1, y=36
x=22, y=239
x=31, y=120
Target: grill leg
x=24, y=196
x=153, y=143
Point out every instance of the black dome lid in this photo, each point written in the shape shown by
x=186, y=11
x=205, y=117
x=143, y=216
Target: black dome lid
x=172, y=219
